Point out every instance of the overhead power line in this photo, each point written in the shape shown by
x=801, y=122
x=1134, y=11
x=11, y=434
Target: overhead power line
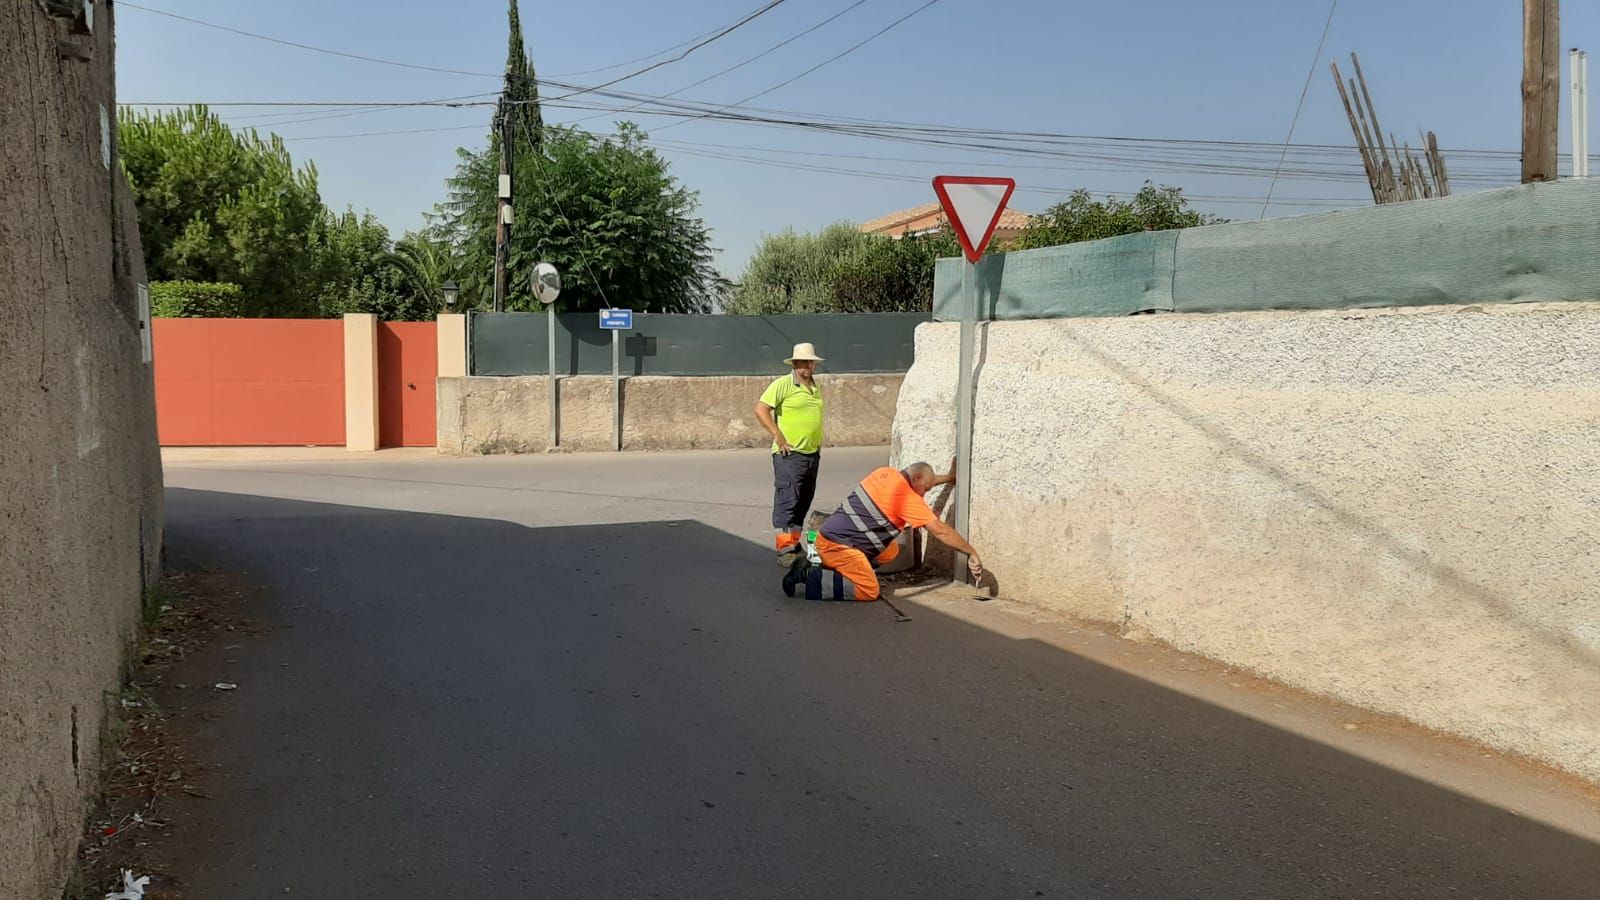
x=847, y=126
x=123, y=4
x=527, y=135
x=636, y=60
x=1315, y=58
x=395, y=104
x=280, y=119
x=751, y=17
x=698, y=41
x=1110, y=153
x=723, y=152
x=745, y=62
x=328, y=137
x=835, y=58
x=1206, y=157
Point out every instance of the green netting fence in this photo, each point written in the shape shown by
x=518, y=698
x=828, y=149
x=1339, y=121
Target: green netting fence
x=1537, y=242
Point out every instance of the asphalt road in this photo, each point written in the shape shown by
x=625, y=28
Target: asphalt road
x=575, y=677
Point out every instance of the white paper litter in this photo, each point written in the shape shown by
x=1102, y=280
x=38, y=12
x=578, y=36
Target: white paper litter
x=132, y=888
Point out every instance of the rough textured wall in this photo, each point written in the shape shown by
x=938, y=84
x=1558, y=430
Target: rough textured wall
x=1395, y=508
x=80, y=474
x=511, y=415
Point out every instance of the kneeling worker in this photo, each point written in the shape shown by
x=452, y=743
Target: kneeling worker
x=860, y=536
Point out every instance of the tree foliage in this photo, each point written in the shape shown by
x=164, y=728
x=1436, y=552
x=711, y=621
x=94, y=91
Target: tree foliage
x=891, y=275
x=224, y=207
x=841, y=269
x=216, y=206
x=793, y=273
x=519, y=100
x=605, y=211
x=1083, y=218
x=425, y=263
x=359, y=273
x=195, y=299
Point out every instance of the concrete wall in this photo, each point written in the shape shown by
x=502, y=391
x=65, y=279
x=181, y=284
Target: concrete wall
x=80, y=475
x=511, y=415
x=360, y=382
x=1395, y=508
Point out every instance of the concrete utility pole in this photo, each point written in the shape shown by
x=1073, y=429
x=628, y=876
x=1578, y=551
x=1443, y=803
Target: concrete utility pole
x=1541, y=88
x=1580, y=112
x=502, y=222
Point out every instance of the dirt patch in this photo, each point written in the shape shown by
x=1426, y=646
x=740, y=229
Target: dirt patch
x=913, y=577
x=157, y=767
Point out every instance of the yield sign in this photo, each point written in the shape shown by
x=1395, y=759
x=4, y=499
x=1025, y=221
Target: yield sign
x=974, y=206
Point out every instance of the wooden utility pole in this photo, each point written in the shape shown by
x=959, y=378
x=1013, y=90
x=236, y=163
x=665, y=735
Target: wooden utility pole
x=1541, y=88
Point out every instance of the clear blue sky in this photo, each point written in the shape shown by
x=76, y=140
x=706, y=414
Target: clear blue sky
x=1225, y=70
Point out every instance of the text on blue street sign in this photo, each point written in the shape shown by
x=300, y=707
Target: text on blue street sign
x=619, y=319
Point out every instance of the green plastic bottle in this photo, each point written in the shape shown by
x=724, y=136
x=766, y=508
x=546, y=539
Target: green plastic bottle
x=811, y=549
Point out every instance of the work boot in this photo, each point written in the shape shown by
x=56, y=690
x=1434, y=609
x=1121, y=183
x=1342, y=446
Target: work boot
x=796, y=576
x=788, y=555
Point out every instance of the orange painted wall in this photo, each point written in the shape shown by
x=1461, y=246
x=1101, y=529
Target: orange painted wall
x=408, y=364
x=249, y=382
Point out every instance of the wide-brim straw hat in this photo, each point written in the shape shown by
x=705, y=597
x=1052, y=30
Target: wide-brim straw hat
x=803, y=352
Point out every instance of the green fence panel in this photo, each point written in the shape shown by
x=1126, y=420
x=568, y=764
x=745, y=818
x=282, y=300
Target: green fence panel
x=1511, y=245
x=1517, y=244
x=671, y=344
x=1115, y=277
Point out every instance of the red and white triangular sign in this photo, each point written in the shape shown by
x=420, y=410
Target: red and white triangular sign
x=974, y=206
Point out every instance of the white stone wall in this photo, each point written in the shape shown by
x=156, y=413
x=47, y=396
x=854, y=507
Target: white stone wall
x=1397, y=508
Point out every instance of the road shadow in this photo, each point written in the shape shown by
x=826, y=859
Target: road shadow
x=451, y=706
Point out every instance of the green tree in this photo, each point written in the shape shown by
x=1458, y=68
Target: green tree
x=891, y=275
x=425, y=263
x=219, y=206
x=793, y=273
x=520, y=97
x=360, y=272
x=840, y=269
x=604, y=211
x=1082, y=218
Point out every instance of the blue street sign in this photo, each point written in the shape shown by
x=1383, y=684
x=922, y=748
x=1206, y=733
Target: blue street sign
x=616, y=319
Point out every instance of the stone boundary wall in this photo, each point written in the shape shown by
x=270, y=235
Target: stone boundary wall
x=511, y=415
x=1395, y=508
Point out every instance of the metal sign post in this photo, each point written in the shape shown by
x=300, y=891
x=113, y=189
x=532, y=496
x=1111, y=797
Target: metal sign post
x=616, y=391
x=964, y=403
x=546, y=288
x=616, y=321
x=973, y=206
x=550, y=319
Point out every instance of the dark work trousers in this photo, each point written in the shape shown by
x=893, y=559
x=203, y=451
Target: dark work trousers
x=794, y=486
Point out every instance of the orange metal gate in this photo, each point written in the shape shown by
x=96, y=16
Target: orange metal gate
x=408, y=365
x=249, y=382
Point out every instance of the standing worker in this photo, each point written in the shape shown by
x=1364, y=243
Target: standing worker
x=791, y=411
x=860, y=536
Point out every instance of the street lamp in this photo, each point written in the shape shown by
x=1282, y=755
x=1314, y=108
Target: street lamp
x=450, y=290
